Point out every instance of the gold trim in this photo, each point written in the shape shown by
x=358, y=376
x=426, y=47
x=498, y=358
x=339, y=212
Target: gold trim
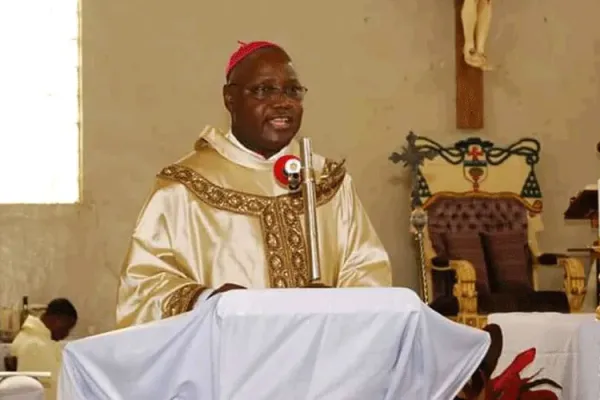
x=285, y=245
x=536, y=207
x=182, y=300
x=216, y=196
x=280, y=217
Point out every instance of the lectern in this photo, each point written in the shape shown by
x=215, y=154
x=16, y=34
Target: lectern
x=584, y=207
x=334, y=344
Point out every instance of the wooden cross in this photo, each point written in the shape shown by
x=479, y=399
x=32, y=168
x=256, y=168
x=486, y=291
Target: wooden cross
x=469, y=82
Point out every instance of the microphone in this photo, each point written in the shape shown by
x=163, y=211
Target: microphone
x=287, y=171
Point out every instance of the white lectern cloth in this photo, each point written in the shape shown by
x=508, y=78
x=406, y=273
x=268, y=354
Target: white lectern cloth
x=288, y=344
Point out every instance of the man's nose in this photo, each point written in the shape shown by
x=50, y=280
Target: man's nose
x=282, y=100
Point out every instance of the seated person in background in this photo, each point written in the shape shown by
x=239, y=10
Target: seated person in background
x=36, y=345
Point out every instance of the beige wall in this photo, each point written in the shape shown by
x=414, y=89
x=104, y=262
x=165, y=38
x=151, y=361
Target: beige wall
x=152, y=72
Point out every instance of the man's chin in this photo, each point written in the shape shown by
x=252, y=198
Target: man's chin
x=278, y=139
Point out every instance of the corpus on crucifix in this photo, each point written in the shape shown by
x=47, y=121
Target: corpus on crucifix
x=476, y=17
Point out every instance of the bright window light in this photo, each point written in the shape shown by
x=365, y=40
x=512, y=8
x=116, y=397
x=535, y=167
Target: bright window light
x=39, y=102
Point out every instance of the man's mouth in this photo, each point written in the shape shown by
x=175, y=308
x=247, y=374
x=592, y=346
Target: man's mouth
x=282, y=122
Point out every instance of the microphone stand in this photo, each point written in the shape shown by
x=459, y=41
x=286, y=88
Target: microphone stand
x=306, y=180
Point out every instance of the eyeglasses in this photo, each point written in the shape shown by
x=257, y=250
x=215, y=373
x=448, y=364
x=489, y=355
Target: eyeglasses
x=270, y=92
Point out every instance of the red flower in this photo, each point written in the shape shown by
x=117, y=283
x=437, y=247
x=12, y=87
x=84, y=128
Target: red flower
x=510, y=386
x=543, y=394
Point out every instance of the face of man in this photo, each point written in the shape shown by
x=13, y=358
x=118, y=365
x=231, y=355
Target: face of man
x=264, y=98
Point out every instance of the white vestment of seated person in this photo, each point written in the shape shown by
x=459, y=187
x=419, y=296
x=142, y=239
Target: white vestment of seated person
x=36, y=351
x=21, y=388
x=334, y=344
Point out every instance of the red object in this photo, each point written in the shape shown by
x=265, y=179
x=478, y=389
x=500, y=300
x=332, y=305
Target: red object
x=512, y=374
x=543, y=394
x=281, y=167
x=475, y=152
x=244, y=51
x=510, y=386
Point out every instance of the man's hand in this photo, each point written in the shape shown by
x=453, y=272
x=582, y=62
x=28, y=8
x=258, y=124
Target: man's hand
x=226, y=288
x=317, y=285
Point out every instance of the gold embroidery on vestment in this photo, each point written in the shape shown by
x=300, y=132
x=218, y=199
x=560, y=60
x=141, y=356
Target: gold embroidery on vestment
x=280, y=217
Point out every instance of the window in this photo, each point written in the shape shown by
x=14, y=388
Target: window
x=39, y=102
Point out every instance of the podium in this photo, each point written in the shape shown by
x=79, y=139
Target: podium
x=584, y=207
x=356, y=343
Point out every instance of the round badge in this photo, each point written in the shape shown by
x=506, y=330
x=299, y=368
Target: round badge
x=286, y=166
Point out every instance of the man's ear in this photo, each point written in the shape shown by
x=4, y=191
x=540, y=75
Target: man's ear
x=228, y=98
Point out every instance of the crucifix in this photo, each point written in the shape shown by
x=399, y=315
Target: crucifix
x=472, y=21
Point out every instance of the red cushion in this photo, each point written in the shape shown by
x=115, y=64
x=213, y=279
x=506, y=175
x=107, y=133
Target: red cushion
x=467, y=246
x=508, y=262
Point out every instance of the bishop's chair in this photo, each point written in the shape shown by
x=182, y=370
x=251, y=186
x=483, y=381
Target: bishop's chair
x=476, y=213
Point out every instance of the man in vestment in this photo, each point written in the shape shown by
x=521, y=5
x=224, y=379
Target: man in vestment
x=37, y=346
x=219, y=220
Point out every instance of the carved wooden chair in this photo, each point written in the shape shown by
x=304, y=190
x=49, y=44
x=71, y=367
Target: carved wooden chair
x=481, y=206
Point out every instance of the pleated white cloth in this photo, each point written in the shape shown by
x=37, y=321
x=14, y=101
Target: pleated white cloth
x=288, y=344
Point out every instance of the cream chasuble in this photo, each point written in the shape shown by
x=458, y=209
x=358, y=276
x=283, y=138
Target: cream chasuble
x=219, y=216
